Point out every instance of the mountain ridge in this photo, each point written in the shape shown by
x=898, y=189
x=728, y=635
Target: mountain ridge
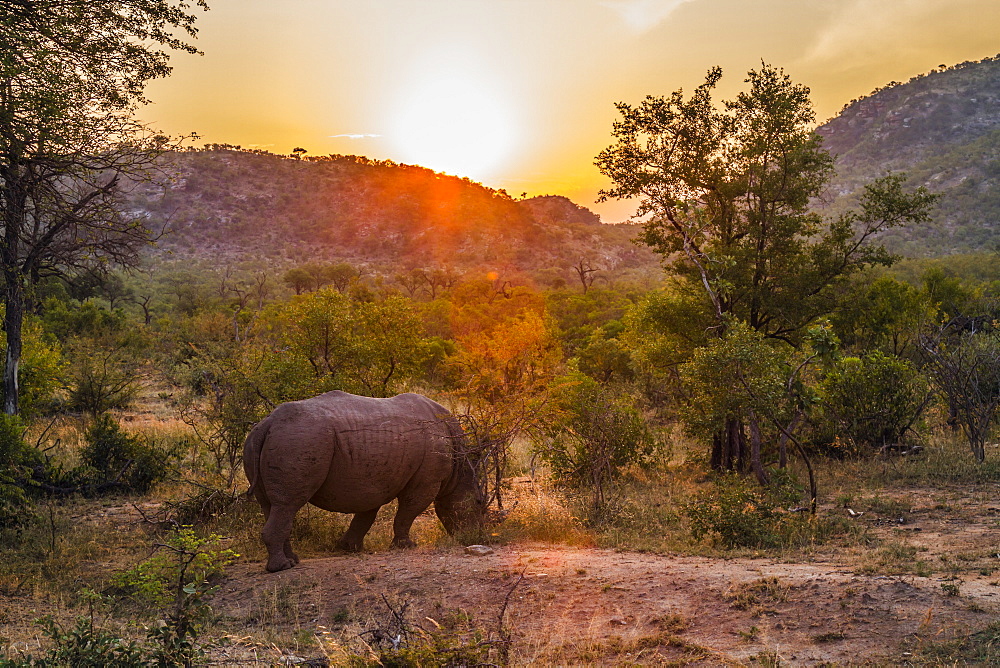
x=228, y=202
x=942, y=129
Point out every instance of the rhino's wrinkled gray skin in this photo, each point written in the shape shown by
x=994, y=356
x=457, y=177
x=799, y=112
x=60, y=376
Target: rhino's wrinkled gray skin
x=352, y=454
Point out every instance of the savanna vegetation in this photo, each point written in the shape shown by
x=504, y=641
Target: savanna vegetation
x=779, y=368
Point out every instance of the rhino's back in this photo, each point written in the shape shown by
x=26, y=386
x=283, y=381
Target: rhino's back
x=360, y=452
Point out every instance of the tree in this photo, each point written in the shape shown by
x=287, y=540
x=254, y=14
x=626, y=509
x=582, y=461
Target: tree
x=883, y=313
x=726, y=194
x=298, y=279
x=962, y=356
x=326, y=340
x=72, y=74
x=585, y=272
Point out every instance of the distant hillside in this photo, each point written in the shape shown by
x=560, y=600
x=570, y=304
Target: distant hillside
x=230, y=204
x=943, y=130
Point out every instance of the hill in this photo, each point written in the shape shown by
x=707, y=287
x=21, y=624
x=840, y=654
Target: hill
x=224, y=203
x=943, y=129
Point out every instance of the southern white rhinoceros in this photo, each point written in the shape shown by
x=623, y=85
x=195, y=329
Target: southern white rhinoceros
x=352, y=454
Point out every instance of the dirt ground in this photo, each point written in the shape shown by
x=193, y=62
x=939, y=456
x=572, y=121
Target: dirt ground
x=835, y=605
x=594, y=606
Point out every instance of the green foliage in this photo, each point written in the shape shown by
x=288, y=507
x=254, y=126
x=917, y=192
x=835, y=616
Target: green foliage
x=872, y=401
x=296, y=348
x=180, y=575
x=83, y=646
x=738, y=375
x=175, y=581
x=726, y=191
x=103, y=354
x=737, y=513
x=579, y=316
x=41, y=370
x=104, y=373
x=661, y=331
x=884, y=313
x=114, y=459
x=185, y=560
x=604, y=357
x=734, y=220
x=598, y=432
x=17, y=459
x=327, y=340
x=67, y=319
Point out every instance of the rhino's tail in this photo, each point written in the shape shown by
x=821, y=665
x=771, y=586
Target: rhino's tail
x=252, y=449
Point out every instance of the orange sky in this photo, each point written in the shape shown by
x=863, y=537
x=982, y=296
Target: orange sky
x=519, y=94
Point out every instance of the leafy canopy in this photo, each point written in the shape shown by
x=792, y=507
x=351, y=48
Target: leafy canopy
x=725, y=193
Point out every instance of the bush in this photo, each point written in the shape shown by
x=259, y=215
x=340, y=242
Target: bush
x=872, y=401
x=186, y=561
x=104, y=374
x=83, y=646
x=177, y=579
x=114, y=458
x=598, y=432
x=17, y=459
x=739, y=513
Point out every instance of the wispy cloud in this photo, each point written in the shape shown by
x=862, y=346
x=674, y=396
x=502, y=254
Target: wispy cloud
x=351, y=135
x=643, y=15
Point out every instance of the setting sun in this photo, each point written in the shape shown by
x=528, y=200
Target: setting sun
x=453, y=123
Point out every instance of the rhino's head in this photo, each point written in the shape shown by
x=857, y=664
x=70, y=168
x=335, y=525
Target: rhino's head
x=463, y=507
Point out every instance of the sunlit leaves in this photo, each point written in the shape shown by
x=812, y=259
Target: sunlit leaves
x=326, y=340
x=726, y=193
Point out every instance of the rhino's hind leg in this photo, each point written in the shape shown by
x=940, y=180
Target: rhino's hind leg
x=354, y=538
x=277, y=537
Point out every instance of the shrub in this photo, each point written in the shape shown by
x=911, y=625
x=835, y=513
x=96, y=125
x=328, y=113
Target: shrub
x=17, y=459
x=104, y=374
x=739, y=513
x=597, y=432
x=186, y=559
x=872, y=401
x=178, y=579
x=114, y=458
x=83, y=646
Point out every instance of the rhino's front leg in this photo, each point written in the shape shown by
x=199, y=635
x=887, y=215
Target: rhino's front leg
x=354, y=538
x=412, y=502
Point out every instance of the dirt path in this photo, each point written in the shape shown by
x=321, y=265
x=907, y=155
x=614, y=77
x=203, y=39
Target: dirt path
x=598, y=606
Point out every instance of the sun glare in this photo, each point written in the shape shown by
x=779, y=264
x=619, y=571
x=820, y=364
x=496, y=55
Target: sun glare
x=453, y=123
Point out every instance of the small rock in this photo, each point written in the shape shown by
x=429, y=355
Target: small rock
x=617, y=621
x=478, y=550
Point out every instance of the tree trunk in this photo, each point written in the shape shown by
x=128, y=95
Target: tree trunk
x=755, y=443
x=729, y=447
x=783, y=439
x=12, y=322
